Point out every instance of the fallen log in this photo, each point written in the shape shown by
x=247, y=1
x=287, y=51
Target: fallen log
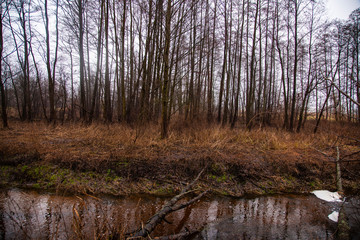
x=169, y=207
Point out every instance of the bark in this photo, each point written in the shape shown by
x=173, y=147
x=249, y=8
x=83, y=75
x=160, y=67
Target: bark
x=51, y=80
x=346, y=95
x=2, y=88
x=293, y=103
x=224, y=66
x=338, y=171
x=83, y=105
x=144, y=94
x=107, y=94
x=26, y=65
x=228, y=72
x=132, y=75
x=39, y=83
x=327, y=97
x=72, y=85
x=165, y=87
x=251, y=90
x=210, y=85
x=23, y=60
x=122, y=59
x=98, y=54
x=190, y=101
x=235, y=117
x=309, y=80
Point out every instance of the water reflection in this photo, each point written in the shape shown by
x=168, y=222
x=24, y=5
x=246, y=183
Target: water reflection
x=274, y=218
x=46, y=216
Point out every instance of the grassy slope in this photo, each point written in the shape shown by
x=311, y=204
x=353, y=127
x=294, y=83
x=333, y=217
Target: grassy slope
x=118, y=160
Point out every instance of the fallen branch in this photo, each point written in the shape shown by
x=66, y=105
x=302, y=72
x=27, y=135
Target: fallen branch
x=183, y=235
x=345, y=94
x=326, y=155
x=169, y=207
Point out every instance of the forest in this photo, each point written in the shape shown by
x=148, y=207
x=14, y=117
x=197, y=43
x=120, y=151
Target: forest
x=106, y=103
x=232, y=62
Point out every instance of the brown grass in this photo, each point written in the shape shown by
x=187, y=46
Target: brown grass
x=139, y=152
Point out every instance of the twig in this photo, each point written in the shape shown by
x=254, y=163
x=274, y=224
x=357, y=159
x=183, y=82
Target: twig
x=169, y=207
x=351, y=154
x=324, y=154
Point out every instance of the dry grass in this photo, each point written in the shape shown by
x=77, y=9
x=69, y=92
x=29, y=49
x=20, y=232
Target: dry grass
x=139, y=152
x=103, y=142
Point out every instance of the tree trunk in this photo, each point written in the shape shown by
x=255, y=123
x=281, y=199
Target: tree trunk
x=51, y=81
x=251, y=91
x=107, y=93
x=165, y=87
x=83, y=106
x=210, y=85
x=2, y=88
x=98, y=54
x=122, y=59
x=235, y=116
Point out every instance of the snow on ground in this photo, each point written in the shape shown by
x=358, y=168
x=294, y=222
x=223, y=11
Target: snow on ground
x=334, y=216
x=327, y=195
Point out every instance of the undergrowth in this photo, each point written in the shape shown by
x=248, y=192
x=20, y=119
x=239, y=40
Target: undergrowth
x=132, y=154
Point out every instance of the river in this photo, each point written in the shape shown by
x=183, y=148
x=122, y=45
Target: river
x=34, y=215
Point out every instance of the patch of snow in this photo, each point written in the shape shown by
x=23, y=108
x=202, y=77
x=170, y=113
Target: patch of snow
x=327, y=195
x=334, y=216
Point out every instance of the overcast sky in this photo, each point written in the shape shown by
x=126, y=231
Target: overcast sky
x=341, y=8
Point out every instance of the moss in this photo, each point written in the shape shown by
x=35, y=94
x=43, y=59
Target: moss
x=39, y=172
x=5, y=172
x=225, y=193
x=213, y=177
x=54, y=178
x=123, y=163
x=69, y=181
x=24, y=168
x=315, y=184
x=220, y=179
x=110, y=176
x=88, y=175
x=165, y=190
x=270, y=191
x=289, y=180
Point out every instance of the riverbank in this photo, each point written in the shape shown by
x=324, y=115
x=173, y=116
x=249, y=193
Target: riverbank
x=120, y=160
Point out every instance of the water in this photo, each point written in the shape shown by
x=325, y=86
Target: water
x=29, y=214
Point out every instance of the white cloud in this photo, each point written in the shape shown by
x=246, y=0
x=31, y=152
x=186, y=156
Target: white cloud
x=341, y=9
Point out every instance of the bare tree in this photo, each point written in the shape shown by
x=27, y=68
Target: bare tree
x=3, y=11
x=51, y=72
x=250, y=99
x=107, y=95
x=165, y=88
x=74, y=20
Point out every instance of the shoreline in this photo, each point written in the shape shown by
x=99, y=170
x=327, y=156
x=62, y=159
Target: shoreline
x=47, y=177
